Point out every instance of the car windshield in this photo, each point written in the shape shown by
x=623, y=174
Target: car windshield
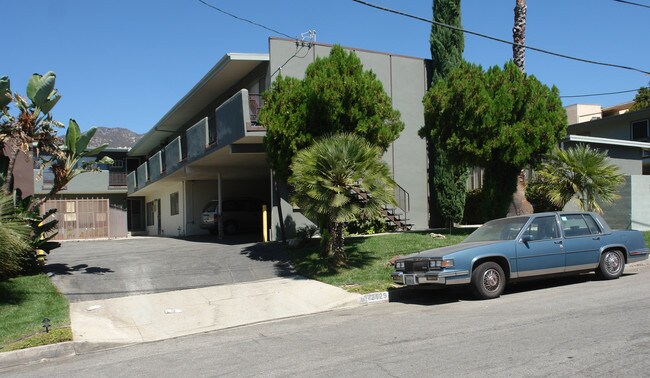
x=499, y=229
x=211, y=207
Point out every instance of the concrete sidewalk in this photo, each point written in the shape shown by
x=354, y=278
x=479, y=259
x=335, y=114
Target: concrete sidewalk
x=159, y=316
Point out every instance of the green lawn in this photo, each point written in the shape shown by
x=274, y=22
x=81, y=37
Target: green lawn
x=24, y=302
x=646, y=234
x=368, y=269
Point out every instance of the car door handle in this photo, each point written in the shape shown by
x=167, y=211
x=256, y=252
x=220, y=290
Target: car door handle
x=558, y=242
x=596, y=237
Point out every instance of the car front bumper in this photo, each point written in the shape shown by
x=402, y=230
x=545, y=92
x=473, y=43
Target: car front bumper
x=452, y=277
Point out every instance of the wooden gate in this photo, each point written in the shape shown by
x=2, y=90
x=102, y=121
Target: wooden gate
x=81, y=218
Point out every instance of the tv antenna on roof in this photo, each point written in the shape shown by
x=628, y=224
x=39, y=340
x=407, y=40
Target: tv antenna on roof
x=309, y=35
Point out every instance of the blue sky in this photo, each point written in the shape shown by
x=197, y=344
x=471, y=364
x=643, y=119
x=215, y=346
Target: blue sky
x=126, y=63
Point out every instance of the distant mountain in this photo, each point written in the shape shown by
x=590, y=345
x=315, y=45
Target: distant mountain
x=115, y=137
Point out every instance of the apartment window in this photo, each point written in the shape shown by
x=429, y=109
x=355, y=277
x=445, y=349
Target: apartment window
x=117, y=164
x=150, y=213
x=173, y=203
x=641, y=130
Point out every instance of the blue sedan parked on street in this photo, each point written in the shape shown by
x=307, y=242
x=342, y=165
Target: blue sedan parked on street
x=509, y=249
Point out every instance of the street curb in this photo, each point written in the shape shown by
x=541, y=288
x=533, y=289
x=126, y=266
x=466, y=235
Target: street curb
x=44, y=353
x=37, y=354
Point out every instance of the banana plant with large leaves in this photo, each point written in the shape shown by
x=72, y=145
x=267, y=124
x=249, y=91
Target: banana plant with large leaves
x=33, y=128
x=69, y=161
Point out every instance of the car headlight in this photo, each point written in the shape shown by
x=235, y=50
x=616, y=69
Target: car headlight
x=448, y=263
x=399, y=265
x=438, y=264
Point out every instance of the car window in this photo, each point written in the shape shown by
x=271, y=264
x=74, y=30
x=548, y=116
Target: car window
x=574, y=225
x=231, y=205
x=543, y=228
x=211, y=207
x=593, y=226
x=499, y=229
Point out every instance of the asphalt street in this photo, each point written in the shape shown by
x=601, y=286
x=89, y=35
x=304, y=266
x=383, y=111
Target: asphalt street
x=576, y=326
x=101, y=269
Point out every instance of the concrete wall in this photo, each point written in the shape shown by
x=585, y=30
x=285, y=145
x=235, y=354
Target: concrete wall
x=640, y=188
x=582, y=113
x=171, y=225
x=405, y=80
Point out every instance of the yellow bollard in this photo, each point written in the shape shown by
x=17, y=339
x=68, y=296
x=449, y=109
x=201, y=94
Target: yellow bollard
x=265, y=232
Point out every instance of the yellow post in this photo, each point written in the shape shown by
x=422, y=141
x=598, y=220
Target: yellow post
x=265, y=235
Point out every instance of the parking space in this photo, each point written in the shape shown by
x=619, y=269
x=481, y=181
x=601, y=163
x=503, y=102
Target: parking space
x=90, y=270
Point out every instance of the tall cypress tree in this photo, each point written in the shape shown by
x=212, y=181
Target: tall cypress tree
x=447, y=179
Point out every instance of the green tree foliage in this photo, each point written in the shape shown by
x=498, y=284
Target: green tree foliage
x=581, y=172
x=336, y=95
x=642, y=99
x=33, y=131
x=446, y=178
x=537, y=194
x=447, y=45
x=14, y=238
x=338, y=179
x=501, y=120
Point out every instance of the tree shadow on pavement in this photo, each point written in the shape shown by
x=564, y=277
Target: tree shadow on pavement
x=65, y=270
x=274, y=251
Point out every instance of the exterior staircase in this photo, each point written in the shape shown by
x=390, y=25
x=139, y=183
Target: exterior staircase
x=395, y=216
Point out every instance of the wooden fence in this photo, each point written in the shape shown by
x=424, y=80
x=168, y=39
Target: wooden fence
x=87, y=218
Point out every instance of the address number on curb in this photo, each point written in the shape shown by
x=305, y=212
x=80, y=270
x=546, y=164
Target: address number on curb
x=375, y=297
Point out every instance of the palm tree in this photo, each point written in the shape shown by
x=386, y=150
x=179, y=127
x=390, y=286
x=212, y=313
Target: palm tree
x=581, y=172
x=15, y=235
x=329, y=178
x=519, y=34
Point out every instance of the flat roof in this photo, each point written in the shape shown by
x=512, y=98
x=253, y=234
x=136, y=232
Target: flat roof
x=231, y=68
x=608, y=141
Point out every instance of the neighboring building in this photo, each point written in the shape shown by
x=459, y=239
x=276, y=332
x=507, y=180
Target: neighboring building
x=22, y=173
x=625, y=136
x=209, y=145
x=92, y=205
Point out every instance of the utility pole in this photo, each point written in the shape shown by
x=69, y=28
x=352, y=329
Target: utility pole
x=519, y=34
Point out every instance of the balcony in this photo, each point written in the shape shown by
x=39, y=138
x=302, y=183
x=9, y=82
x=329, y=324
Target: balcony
x=235, y=120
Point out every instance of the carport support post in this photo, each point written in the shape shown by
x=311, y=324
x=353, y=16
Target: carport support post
x=219, y=202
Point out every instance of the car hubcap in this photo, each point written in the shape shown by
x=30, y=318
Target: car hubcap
x=612, y=262
x=491, y=279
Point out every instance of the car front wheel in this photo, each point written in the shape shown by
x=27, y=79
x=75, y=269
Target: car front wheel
x=611, y=264
x=488, y=280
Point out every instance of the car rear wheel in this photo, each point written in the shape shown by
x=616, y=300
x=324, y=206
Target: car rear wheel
x=611, y=264
x=488, y=280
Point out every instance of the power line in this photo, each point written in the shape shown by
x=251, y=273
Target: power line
x=499, y=39
x=245, y=20
x=631, y=3
x=600, y=94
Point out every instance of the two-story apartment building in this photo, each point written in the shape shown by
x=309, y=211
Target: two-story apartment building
x=209, y=145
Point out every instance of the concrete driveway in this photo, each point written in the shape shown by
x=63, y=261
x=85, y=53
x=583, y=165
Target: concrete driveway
x=91, y=270
x=148, y=288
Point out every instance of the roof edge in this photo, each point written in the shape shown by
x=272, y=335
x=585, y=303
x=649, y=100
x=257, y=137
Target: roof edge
x=200, y=84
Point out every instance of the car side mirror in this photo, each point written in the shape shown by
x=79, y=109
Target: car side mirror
x=526, y=238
